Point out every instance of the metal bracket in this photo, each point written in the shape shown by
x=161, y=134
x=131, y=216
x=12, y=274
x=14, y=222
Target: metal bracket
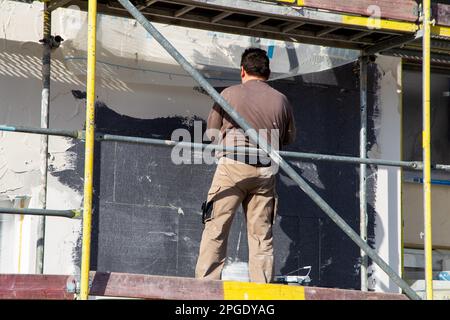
x=53, y=41
x=77, y=213
x=73, y=286
x=81, y=135
x=419, y=33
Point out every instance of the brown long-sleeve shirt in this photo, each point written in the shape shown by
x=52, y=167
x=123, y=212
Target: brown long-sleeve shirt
x=262, y=107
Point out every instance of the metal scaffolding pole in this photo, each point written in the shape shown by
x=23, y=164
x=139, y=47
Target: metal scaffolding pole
x=45, y=106
x=46, y=131
x=41, y=212
x=412, y=165
x=266, y=147
x=290, y=154
x=89, y=151
x=426, y=74
x=363, y=60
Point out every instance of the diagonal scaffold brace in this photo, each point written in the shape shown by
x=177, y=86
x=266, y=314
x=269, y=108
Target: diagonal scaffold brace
x=266, y=147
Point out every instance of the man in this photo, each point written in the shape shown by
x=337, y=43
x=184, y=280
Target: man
x=240, y=179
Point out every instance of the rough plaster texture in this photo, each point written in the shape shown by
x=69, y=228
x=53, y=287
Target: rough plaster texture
x=387, y=128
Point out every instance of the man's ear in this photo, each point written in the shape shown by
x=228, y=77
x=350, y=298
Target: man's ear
x=243, y=73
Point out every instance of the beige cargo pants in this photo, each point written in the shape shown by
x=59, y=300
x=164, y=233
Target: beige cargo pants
x=235, y=183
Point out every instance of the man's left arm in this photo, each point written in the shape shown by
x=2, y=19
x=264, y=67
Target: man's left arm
x=214, y=124
x=290, y=128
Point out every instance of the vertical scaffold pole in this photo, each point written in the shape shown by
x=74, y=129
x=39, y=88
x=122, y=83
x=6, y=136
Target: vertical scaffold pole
x=89, y=150
x=363, y=60
x=45, y=107
x=426, y=73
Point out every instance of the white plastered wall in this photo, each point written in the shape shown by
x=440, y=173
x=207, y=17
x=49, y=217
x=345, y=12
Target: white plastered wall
x=20, y=89
x=388, y=179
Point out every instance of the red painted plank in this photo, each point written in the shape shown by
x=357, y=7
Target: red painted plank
x=441, y=12
x=313, y=293
x=15, y=286
x=154, y=287
x=30, y=286
x=389, y=9
x=177, y=288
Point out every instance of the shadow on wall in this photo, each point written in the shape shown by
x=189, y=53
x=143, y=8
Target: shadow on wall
x=147, y=215
x=23, y=60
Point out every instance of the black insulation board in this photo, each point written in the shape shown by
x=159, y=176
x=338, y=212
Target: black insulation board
x=147, y=210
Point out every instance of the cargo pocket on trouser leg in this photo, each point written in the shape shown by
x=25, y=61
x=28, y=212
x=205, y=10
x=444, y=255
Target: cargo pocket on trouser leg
x=208, y=205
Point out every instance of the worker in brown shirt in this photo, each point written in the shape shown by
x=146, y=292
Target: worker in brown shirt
x=242, y=178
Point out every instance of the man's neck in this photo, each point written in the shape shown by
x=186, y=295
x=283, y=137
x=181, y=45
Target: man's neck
x=250, y=78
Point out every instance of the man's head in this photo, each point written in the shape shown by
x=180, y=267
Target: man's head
x=254, y=65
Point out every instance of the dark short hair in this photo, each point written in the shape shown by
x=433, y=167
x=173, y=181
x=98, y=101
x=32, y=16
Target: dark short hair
x=256, y=62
